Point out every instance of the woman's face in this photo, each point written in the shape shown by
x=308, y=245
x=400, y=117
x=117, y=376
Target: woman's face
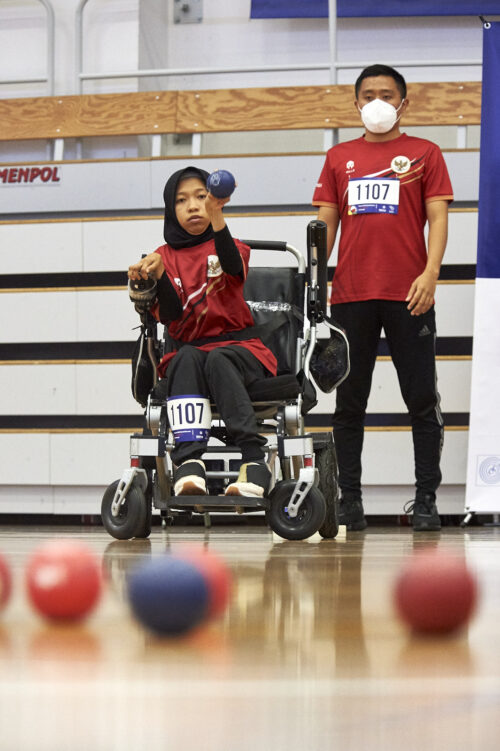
x=190, y=206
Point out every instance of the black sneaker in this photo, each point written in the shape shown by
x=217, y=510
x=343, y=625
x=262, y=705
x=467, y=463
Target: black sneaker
x=190, y=478
x=425, y=514
x=253, y=480
x=352, y=515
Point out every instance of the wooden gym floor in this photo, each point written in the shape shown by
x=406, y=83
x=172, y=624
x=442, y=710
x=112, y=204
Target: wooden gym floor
x=308, y=656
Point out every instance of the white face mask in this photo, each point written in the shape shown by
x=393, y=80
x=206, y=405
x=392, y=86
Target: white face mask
x=379, y=116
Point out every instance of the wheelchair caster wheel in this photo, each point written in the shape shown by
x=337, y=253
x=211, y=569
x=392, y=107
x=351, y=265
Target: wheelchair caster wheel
x=310, y=517
x=134, y=517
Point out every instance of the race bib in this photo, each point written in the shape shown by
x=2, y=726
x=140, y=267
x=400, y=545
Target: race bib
x=190, y=417
x=373, y=195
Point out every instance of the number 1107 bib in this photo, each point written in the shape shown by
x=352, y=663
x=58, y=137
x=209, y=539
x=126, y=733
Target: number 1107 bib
x=373, y=195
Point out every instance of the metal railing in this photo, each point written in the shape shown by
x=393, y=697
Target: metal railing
x=333, y=65
x=49, y=78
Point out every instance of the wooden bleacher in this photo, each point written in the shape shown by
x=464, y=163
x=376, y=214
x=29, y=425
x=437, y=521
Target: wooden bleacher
x=224, y=110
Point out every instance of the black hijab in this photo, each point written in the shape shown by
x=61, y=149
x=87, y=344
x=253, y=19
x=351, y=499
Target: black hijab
x=175, y=235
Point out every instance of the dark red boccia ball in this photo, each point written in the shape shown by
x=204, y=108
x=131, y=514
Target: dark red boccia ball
x=63, y=580
x=435, y=593
x=5, y=582
x=217, y=575
x=221, y=183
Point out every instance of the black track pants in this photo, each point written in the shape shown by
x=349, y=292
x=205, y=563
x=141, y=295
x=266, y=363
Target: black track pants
x=411, y=341
x=223, y=375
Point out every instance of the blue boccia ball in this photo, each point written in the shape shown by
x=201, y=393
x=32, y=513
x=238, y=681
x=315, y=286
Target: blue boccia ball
x=168, y=595
x=221, y=183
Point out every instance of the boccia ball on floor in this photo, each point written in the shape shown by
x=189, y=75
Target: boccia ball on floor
x=168, y=595
x=63, y=580
x=435, y=593
x=5, y=582
x=217, y=575
x=221, y=183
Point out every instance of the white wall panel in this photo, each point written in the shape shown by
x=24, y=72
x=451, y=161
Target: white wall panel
x=106, y=315
x=43, y=247
x=114, y=245
x=462, y=237
x=100, y=389
x=26, y=499
x=39, y=316
x=282, y=180
x=37, y=389
x=24, y=459
x=388, y=457
x=89, y=186
x=105, y=390
x=87, y=458
x=385, y=397
x=77, y=499
x=455, y=309
x=67, y=389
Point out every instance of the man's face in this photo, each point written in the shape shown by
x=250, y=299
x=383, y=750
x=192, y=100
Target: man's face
x=379, y=87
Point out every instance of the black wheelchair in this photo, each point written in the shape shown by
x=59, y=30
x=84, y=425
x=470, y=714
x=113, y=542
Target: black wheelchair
x=288, y=303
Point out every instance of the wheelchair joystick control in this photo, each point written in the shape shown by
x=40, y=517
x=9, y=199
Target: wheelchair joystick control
x=142, y=293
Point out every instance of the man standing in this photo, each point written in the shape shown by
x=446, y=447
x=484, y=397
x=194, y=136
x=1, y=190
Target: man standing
x=381, y=189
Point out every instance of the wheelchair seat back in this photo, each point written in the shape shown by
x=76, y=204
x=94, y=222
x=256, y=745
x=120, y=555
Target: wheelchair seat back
x=273, y=298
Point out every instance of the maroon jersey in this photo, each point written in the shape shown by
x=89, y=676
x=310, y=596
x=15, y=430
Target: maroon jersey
x=382, y=248
x=212, y=301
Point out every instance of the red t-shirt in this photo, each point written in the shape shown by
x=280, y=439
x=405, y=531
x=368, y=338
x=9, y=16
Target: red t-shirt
x=212, y=301
x=380, y=254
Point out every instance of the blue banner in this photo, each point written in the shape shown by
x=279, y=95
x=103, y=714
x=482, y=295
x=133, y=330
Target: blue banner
x=372, y=8
x=488, y=250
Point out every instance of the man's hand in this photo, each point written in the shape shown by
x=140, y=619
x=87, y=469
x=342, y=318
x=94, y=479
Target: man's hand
x=421, y=295
x=150, y=265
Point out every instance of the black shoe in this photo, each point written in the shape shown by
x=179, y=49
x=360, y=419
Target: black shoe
x=253, y=480
x=352, y=515
x=190, y=478
x=425, y=514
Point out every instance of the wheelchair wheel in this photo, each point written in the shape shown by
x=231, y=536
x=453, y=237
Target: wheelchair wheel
x=132, y=520
x=310, y=518
x=326, y=462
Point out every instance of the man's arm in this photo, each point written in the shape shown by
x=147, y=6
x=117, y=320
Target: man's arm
x=421, y=294
x=329, y=215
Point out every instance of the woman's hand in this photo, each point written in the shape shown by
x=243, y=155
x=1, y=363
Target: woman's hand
x=214, y=208
x=150, y=265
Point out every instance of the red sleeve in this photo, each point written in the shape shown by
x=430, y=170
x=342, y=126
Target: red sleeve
x=436, y=180
x=326, y=193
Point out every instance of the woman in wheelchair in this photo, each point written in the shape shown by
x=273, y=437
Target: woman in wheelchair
x=200, y=274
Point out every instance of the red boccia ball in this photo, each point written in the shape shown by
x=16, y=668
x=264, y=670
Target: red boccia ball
x=63, y=580
x=435, y=593
x=5, y=582
x=217, y=575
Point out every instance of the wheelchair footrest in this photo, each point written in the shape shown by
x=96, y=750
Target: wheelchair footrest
x=202, y=502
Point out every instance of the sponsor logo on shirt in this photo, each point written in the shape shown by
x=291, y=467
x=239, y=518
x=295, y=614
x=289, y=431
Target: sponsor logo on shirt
x=400, y=165
x=349, y=167
x=213, y=266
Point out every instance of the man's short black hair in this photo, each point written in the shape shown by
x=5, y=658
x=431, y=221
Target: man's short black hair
x=381, y=70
